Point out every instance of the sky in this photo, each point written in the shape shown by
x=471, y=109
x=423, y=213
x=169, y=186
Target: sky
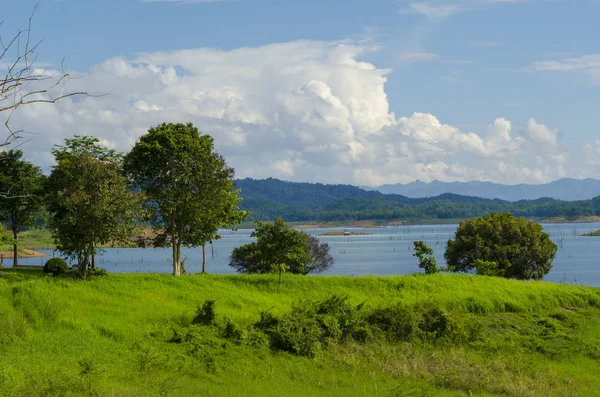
x=363, y=92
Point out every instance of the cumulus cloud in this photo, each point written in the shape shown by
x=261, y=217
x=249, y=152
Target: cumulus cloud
x=303, y=110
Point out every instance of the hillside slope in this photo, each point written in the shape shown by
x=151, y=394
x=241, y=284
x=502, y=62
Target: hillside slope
x=152, y=335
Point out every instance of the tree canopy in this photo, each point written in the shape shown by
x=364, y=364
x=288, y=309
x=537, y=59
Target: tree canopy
x=277, y=245
x=22, y=194
x=189, y=188
x=501, y=245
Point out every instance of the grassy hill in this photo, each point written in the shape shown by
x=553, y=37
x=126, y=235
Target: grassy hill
x=441, y=335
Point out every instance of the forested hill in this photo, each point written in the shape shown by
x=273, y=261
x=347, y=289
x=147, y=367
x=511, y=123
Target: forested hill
x=293, y=201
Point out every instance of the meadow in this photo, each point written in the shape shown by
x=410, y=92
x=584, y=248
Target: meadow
x=249, y=335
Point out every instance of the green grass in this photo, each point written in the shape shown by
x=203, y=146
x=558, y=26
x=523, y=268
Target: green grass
x=114, y=336
x=33, y=239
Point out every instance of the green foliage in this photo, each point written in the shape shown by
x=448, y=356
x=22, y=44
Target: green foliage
x=189, y=188
x=427, y=263
x=88, y=199
x=56, y=266
x=21, y=195
x=501, y=245
x=82, y=144
x=279, y=249
x=205, y=315
x=5, y=237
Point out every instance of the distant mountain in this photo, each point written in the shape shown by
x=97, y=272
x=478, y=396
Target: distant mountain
x=562, y=189
x=297, y=201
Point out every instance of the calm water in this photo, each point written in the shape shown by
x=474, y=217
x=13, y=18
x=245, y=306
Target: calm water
x=386, y=251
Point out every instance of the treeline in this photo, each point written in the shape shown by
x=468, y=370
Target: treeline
x=171, y=190
x=272, y=198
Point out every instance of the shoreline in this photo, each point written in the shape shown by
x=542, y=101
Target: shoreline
x=427, y=222
x=25, y=254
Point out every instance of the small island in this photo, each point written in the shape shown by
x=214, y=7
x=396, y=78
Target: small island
x=344, y=233
x=591, y=234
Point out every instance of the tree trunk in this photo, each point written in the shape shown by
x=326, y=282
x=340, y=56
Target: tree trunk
x=93, y=256
x=84, y=267
x=203, y=258
x=175, y=262
x=179, y=257
x=16, y=249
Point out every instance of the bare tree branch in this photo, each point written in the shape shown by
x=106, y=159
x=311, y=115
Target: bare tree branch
x=22, y=84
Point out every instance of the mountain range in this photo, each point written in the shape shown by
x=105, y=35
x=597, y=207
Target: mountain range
x=301, y=201
x=561, y=189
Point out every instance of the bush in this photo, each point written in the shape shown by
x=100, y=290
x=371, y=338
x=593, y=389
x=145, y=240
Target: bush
x=56, y=266
x=427, y=263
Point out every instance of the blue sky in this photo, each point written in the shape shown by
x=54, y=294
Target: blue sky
x=500, y=90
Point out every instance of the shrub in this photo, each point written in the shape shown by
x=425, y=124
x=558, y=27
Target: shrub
x=56, y=266
x=427, y=263
x=205, y=315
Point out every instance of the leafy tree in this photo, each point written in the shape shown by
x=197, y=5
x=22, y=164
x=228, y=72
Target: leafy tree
x=22, y=199
x=501, y=245
x=428, y=263
x=89, y=200
x=82, y=144
x=279, y=249
x=189, y=188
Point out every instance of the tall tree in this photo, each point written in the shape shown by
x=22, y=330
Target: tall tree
x=22, y=196
x=189, y=188
x=89, y=199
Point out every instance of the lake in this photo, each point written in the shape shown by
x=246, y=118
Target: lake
x=386, y=251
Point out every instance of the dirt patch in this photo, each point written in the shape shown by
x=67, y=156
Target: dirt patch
x=23, y=254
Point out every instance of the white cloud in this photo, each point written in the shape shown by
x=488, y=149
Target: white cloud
x=437, y=9
x=539, y=133
x=417, y=56
x=304, y=110
x=585, y=63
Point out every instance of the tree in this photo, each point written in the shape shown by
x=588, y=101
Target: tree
x=22, y=199
x=427, y=263
x=22, y=83
x=189, y=188
x=89, y=200
x=320, y=259
x=278, y=249
x=501, y=245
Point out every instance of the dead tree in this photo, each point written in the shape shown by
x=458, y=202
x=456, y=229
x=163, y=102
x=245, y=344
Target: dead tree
x=22, y=84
